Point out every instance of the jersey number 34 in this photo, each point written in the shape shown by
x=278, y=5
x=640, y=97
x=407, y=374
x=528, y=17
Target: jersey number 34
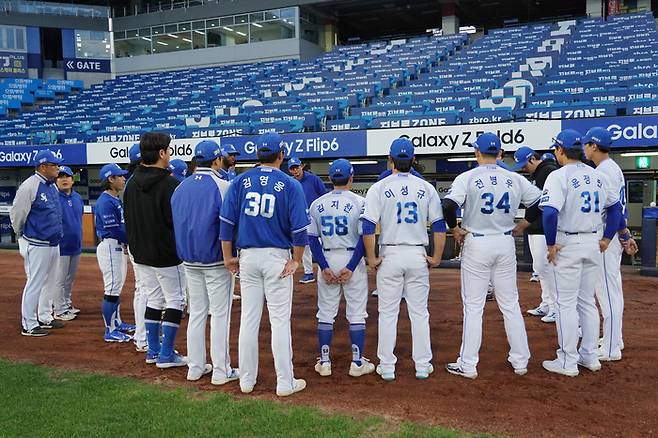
x=503, y=203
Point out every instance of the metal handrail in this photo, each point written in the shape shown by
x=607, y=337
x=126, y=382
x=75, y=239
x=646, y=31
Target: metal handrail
x=51, y=8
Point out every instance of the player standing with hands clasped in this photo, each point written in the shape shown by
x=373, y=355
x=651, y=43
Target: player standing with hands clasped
x=267, y=210
x=336, y=243
x=574, y=199
x=403, y=205
x=490, y=196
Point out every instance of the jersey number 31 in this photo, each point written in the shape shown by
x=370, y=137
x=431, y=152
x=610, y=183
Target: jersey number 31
x=258, y=204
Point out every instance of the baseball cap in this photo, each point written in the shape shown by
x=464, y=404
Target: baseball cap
x=501, y=163
x=178, y=167
x=487, y=143
x=600, y=137
x=568, y=139
x=402, y=149
x=111, y=169
x=134, y=154
x=207, y=150
x=229, y=149
x=548, y=157
x=294, y=162
x=341, y=169
x=270, y=142
x=522, y=156
x=66, y=170
x=45, y=156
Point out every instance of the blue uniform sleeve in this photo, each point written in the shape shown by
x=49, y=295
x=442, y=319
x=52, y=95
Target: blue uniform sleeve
x=300, y=239
x=318, y=253
x=359, y=251
x=612, y=220
x=549, y=220
x=299, y=219
x=230, y=207
x=439, y=226
x=369, y=227
x=384, y=174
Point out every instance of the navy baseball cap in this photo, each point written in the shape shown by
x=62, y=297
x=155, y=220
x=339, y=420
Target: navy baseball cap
x=341, y=169
x=548, y=157
x=135, y=154
x=522, y=156
x=600, y=137
x=229, y=149
x=178, y=167
x=46, y=156
x=65, y=170
x=294, y=162
x=111, y=169
x=568, y=139
x=207, y=150
x=402, y=149
x=270, y=143
x=487, y=143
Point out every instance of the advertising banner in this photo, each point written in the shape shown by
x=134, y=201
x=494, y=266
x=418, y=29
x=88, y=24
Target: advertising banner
x=13, y=65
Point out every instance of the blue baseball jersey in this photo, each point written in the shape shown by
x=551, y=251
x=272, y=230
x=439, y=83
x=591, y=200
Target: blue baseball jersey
x=72, y=211
x=109, y=221
x=313, y=187
x=227, y=175
x=267, y=207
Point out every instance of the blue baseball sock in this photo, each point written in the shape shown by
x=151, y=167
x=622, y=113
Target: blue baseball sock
x=170, y=324
x=358, y=338
x=152, y=323
x=325, y=333
x=108, y=309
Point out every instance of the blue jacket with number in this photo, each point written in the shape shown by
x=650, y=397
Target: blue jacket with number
x=36, y=214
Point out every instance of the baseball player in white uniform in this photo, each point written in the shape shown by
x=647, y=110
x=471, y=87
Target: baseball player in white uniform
x=574, y=199
x=403, y=205
x=36, y=218
x=336, y=243
x=489, y=196
x=267, y=209
x=609, y=292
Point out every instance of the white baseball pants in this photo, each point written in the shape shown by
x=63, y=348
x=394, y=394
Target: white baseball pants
x=611, y=297
x=403, y=270
x=113, y=264
x=486, y=258
x=210, y=291
x=355, y=290
x=307, y=260
x=259, y=280
x=139, y=303
x=575, y=277
x=40, y=264
x=539, y=251
x=165, y=287
x=66, y=271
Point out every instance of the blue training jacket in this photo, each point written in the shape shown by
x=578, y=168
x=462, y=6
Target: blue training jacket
x=72, y=211
x=313, y=187
x=36, y=214
x=195, y=207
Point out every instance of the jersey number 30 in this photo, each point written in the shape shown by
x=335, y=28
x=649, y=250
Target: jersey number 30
x=258, y=204
x=503, y=203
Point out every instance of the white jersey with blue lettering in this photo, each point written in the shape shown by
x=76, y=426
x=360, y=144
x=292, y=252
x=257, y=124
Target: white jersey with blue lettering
x=580, y=194
x=490, y=197
x=335, y=219
x=403, y=205
x=615, y=178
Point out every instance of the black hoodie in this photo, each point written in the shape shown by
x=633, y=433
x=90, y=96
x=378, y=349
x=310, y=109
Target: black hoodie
x=149, y=224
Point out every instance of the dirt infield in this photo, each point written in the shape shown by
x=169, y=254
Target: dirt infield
x=621, y=399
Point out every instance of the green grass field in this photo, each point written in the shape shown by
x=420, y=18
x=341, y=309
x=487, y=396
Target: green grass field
x=40, y=401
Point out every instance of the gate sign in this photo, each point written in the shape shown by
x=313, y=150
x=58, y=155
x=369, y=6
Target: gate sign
x=13, y=65
x=87, y=65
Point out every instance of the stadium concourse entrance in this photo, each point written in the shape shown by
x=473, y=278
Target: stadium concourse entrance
x=52, y=56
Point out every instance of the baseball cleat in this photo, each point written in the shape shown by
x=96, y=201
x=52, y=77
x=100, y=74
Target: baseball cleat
x=307, y=278
x=520, y=371
x=246, y=389
x=366, y=367
x=126, y=328
x=425, y=373
x=538, y=311
x=621, y=344
x=389, y=376
x=555, y=366
x=35, y=332
x=550, y=318
x=175, y=360
x=143, y=348
x=116, y=336
x=605, y=357
x=151, y=358
x=74, y=310
x=592, y=366
x=196, y=376
x=534, y=277
x=454, y=368
x=66, y=316
x=324, y=369
x=54, y=324
x=233, y=376
x=297, y=385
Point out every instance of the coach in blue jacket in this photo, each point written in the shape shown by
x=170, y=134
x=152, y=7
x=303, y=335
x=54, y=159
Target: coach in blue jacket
x=71, y=245
x=195, y=207
x=313, y=189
